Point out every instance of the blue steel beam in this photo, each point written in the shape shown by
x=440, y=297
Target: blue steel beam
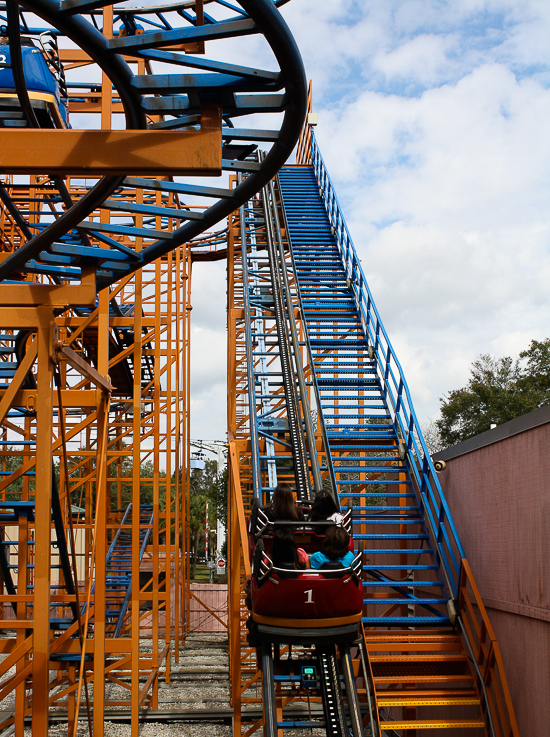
x=207, y=78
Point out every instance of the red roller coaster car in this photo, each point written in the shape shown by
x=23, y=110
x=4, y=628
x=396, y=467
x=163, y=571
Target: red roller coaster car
x=302, y=606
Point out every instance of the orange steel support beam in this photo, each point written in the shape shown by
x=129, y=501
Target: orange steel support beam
x=155, y=426
x=42, y=570
x=237, y=506
x=97, y=152
x=85, y=369
x=480, y=633
x=20, y=375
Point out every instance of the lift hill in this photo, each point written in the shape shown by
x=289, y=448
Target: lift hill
x=315, y=347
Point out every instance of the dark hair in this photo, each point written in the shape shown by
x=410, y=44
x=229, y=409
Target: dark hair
x=336, y=543
x=284, y=550
x=323, y=506
x=282, y=503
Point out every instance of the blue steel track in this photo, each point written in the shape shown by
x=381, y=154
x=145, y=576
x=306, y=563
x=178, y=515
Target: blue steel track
x=62, y=247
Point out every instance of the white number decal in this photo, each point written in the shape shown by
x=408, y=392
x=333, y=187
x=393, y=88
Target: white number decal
x=2, y=58
x=309, y=593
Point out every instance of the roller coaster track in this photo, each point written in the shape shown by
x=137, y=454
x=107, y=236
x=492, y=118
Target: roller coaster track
x=421, y=639
x=273, y=334
x=273, y=341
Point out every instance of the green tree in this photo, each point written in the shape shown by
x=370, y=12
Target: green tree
x=205, y=485
x=219, y=497
x=124, y=471
x=498, y=390
x=197, y=527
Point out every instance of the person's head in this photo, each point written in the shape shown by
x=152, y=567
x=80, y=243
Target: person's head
x=323, y=506
x=283, y=504
x=284, y=550
x=336, y=542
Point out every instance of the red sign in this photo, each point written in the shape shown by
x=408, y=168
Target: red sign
x=221, y=563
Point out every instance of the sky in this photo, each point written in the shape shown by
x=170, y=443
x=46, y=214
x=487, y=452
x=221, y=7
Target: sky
x=433, y=124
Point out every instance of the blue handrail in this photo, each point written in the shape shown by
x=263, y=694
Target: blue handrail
x=425, y=482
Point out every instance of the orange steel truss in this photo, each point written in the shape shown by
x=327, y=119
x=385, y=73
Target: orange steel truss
x=245, y=674
x=96, y=414
x=94, y=430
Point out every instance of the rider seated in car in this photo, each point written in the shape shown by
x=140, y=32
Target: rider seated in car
x=324, y=508
x=284, y=551
x=283, y=506
x=334, y=550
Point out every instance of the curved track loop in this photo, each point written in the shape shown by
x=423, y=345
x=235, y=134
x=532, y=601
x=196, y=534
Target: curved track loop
x=170, y=38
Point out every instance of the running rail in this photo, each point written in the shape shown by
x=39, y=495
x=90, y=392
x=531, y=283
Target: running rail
x=312, y=375
x=288, y=348
x=333, y=703
x=260, y=228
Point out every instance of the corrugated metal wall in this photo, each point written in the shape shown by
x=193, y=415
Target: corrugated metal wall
x=500, y=499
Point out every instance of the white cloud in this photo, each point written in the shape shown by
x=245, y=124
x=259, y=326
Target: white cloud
x=208, y=351
x=422, y=59
x=447, y=197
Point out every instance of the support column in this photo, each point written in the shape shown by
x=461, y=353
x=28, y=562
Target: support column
x=136, y=463
x=43, y=514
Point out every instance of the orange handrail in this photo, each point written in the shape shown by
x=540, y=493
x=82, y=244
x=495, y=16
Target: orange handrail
x=303, y=153
x=496, y=700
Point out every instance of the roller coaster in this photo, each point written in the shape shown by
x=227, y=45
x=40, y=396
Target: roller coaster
x=108, y=113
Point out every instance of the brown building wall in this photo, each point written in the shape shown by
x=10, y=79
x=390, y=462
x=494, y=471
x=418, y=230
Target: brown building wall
x=499, y=495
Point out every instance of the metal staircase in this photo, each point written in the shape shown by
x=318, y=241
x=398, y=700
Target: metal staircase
x=424, y=652
x=423, y=680
x=363, y=440
x=118, y=584
x=17, y=559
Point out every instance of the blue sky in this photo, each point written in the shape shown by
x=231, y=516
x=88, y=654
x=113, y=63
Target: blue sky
x=433, y=123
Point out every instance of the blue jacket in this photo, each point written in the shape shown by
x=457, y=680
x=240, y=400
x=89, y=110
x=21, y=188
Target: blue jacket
x=317, y=559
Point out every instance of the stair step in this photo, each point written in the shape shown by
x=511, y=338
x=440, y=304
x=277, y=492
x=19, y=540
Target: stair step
x=409, y=621
x=385, y=701
x=404, y=600
x=418, y=658
x=392, y=583
x=434, y=724
x=400, y=645
x=400, y=636
x=417, y=678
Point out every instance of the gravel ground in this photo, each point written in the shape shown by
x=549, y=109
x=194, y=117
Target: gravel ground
x=151, y=729
x=188, y=689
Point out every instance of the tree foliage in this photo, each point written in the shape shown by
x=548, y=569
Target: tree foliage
x=206, y=485
x=498, y=390
x=432, y=436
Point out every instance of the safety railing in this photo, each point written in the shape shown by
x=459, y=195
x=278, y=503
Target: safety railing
x=395, y=389
x=485, y=653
